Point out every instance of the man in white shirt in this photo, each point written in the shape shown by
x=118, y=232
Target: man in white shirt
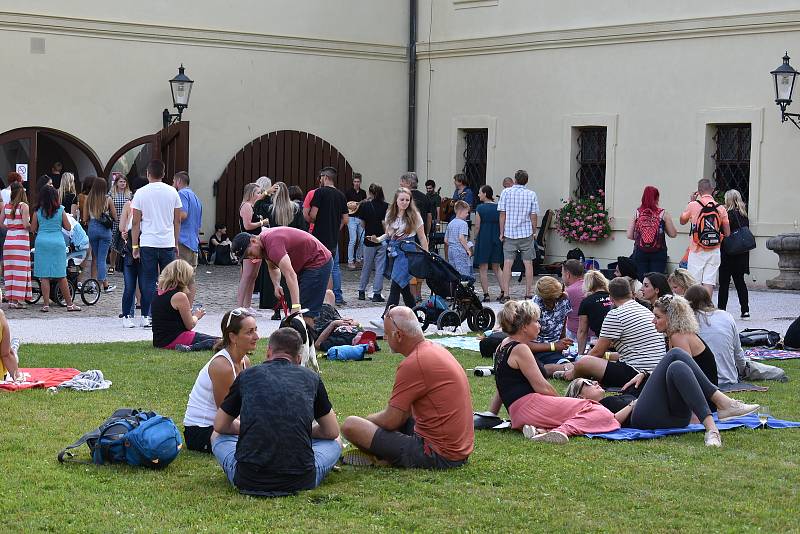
x=156, y=225
x=519, y=212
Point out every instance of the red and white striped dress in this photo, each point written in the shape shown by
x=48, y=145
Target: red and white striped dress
x=16, y=256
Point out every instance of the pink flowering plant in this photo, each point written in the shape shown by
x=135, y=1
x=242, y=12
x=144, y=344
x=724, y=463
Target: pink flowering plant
x=584, y=220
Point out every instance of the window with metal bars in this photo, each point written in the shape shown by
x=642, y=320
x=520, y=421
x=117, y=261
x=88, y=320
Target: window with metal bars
x=475, y=142
x=591, y=158
x=732, y=158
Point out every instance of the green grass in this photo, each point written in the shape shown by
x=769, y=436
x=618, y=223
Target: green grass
x=510, y=484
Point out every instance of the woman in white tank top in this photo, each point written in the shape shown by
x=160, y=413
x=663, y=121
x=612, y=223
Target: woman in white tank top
x=239, y=338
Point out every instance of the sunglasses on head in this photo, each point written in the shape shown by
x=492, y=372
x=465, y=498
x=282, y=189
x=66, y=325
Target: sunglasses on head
x=236, y=312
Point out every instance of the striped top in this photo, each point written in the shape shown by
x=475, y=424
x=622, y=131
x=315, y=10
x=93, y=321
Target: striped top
x=630, y=328
x=16, y=256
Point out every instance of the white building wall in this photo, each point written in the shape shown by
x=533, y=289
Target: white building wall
x=337, y=70
x=533, y=70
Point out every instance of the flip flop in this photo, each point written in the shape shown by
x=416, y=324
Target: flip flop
x=45, y=309
x=73, y=308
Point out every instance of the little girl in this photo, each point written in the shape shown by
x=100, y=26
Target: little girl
x=456, y=247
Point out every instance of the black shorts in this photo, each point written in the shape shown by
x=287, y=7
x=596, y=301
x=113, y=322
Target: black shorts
x=404, y=450
x=617, y=375
x=198, y=438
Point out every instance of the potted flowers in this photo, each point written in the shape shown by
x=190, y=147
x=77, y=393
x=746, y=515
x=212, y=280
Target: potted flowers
x=584, y=220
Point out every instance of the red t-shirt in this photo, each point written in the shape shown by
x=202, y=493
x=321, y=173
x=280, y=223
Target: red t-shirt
x=307, y=205
x=304, y=250
x=433, y=386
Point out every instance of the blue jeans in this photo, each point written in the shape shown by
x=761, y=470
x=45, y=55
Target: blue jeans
x=152, y=259
x=326, y=454
x=356, y=231
x=336, y=275
x=312, y=284
x=650, y=262
x=132, y=272
x=373, y=257
x=100, y=241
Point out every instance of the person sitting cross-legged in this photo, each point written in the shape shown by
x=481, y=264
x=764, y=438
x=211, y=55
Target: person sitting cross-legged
x=428, y=421
x=276, y=432
x=629, y=328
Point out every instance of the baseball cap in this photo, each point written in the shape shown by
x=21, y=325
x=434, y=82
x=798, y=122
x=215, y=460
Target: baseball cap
x=240, y=243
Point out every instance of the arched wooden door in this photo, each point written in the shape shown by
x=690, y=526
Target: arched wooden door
x=288, y=156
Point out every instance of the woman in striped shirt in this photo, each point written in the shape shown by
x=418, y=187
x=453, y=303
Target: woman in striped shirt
x=17, y=248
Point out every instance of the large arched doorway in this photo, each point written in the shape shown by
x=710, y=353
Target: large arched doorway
x=290, y=156
x=39, y=148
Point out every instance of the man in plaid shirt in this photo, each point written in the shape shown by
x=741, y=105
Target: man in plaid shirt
x=519, y=212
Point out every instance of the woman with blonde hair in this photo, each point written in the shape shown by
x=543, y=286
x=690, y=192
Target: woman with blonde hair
x=402, y=223
x=680, y=280
x=282, y=211
x=251, y=223
x=173, y=312
x=532, y=402
x=734, y=265
x=17, y=247
x=593, y=308
x=674, y=317
x=67, y=194
x=120, y=194
x=100, y=210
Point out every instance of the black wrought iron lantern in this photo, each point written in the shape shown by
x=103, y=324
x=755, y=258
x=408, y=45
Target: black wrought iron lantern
x=784, y=77
x=181, y=88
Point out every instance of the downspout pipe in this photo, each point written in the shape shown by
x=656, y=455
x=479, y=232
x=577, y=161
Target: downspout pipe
x=412, y=85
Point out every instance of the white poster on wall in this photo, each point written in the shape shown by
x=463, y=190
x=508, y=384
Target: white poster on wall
x=22, y=170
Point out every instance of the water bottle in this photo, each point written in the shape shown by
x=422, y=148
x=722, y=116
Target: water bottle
x=15, y=347
x=483, y=370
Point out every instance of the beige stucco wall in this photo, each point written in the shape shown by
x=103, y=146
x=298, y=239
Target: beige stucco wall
x=528, y=73
x=340, y=74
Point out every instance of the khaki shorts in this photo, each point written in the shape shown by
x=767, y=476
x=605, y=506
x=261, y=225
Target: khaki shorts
x=522, y=244
x=188, y=255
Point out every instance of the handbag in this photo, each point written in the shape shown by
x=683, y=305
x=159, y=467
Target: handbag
x=739, y=242
x=759, y=337
x=106, y=220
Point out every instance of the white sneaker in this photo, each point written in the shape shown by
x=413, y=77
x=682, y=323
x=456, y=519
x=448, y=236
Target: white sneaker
x=529, y=431
x=554, y=436
x=146, y=322
x=254, y=312
x=736, y=409
x=127, y=322
x=109, y=289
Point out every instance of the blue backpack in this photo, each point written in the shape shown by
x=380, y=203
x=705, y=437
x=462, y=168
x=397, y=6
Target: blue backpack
x=133, y=437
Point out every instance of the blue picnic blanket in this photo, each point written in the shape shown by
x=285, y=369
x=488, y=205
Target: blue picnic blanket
x=460, y=342
x=749, y=421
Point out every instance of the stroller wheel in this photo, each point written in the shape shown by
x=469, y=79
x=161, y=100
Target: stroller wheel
x=449, y=321
x=90, y=292
x=422, y=316
x=36, y=292
x=482, y=320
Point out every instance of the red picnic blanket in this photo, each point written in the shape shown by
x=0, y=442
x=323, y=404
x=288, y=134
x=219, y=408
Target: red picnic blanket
x=41, y=377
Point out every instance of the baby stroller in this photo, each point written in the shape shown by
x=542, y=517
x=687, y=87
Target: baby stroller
x=89, y=290
x=460, y=300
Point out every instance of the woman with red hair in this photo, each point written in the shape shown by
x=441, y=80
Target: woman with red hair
x=648, y=230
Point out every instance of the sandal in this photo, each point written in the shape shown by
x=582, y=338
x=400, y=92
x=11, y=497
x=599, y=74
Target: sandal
x=486, y=297
x=73, y=307
x=501, y=297
x=45, y=309
x=17, y=305
x=504, y=299
x=528, y=297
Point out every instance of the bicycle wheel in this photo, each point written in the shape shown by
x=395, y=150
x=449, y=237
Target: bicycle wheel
x=90, y=291
x=36, y=292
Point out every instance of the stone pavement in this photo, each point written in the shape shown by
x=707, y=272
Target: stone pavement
x=217, y=287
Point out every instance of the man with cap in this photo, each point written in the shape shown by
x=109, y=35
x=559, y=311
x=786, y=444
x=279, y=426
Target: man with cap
x=302, y=259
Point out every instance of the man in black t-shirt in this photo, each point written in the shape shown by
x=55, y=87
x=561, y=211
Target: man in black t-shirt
x=263, y=436
x=328, y=213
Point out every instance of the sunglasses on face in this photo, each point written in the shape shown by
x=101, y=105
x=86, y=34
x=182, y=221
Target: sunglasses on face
x=586, y=382
x=388, y=314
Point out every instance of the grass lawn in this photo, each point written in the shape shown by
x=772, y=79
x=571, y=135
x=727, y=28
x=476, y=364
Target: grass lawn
x=510, y=483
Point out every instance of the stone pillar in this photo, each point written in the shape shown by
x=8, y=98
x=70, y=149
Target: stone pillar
x=787, y=247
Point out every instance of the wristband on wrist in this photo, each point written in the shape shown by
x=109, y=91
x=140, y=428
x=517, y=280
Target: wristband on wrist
x=552, y=347
x=296, y=306
x=134, y=246
x=607, y=355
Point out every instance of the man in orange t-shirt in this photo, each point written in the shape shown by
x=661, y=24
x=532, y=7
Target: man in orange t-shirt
x=703, y=262
x=428, y=422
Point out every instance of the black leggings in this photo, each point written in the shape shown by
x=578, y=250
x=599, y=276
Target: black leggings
x=726, y=272
x=676, y=389
x=203, y=342
x=394, y=296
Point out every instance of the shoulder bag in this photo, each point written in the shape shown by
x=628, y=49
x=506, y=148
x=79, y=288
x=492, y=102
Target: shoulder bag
x=740, y=241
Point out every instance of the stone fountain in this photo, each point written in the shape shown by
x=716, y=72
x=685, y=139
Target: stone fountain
x=787, y=247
